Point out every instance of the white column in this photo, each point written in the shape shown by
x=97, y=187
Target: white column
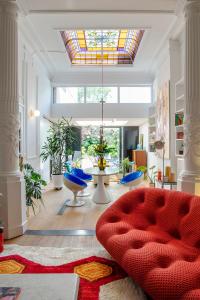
x=13, y=209
x=190, y=178
x=175, y=63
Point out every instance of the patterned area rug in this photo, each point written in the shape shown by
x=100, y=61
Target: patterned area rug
x=100, y=277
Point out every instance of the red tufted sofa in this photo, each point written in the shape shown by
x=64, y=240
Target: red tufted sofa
x=154, y=235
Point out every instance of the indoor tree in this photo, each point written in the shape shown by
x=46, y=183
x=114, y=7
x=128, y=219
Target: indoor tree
x=57, y=147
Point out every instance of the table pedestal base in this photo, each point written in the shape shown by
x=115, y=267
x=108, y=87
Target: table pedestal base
x=101, y=196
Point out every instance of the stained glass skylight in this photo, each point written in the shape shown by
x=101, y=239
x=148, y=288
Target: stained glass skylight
x=97, y=47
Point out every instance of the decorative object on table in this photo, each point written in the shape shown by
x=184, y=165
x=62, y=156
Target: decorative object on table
x=133, y=179
x=9, y=293
x=100, y=150
x=167, y=171
x=75, y=185
x=162, y=113
x=84, y=176
x=172, y=177
x=58, y=145
x=1, y=239
x=33, y=186
x=160, y=248
x=160, y=145
x=159, y=175
x=152, y=176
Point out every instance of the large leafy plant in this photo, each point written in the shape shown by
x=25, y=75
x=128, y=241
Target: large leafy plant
x=33, y=184
x=58, y=145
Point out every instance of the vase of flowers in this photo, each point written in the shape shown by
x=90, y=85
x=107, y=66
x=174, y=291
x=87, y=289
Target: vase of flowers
x=101, y=163
x=101, y=149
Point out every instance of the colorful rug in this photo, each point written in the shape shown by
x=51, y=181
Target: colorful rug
x=100, y=277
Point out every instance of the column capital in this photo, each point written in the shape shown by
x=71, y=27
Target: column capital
x=192, y=7
x=9, y=7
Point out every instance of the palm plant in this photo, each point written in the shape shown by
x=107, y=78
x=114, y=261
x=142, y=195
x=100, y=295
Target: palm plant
x=33, y=184
x=58, y=145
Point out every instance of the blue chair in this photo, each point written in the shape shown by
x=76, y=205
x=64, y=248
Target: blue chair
x=75, y=185
x=84, y=176
x=133, y=179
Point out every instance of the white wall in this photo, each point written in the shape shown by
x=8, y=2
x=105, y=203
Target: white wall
x=162, y=75
x=34, y=94
x=94, y=110
x=144, y=129
x=116, y=77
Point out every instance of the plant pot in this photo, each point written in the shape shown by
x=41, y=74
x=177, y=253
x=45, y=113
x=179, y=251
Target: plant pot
x=57, y=181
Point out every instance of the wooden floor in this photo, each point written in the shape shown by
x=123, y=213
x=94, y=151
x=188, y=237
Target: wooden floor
x=84, y=217
x=56, y=241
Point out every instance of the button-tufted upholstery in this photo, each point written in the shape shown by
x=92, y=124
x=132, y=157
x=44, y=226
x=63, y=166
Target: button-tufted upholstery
x=154, y=235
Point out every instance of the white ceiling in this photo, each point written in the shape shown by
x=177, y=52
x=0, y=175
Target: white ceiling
x=45, y=18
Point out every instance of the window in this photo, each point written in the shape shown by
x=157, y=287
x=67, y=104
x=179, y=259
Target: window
x=95, y=94
x=135, y=94
x=69, y=95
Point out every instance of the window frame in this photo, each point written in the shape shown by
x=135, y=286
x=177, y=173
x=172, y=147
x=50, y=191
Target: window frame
x=105, y=85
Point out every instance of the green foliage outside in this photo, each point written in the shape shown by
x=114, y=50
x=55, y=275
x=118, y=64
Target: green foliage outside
x=90, y=140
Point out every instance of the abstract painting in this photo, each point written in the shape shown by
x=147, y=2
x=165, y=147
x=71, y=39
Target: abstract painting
x=162, y=111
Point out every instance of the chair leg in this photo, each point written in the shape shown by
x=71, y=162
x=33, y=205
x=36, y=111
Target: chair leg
x=83, y=193
x=75, y=202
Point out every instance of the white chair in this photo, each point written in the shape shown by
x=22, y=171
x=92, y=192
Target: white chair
x=75, y=185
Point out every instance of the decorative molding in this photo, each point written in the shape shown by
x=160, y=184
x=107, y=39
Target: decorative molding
x=31, y=37
x=103, y=11
x=9, y=142
x=9, y=8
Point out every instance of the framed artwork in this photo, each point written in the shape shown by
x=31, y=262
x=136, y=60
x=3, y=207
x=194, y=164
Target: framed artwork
x=162, y=112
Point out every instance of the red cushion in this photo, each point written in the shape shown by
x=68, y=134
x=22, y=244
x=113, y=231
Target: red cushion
x=154, y=235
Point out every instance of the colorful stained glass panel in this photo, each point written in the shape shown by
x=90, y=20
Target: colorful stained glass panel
x=97, y=47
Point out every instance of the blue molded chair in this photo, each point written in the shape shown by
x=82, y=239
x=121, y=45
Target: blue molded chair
x=133, y=179
x=75, y=185
x=84, y=176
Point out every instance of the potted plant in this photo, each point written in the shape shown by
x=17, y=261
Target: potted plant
x=33, y=185
x=57, y=148
x=144, y=170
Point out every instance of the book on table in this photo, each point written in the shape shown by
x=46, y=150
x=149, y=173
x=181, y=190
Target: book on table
x=9, y=293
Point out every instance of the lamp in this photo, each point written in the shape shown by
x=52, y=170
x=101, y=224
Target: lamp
x=34, y=113
x=160, y=145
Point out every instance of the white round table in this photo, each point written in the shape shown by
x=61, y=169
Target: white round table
x=101, y=195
